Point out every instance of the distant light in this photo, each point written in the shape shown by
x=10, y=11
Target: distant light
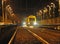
x=51, y=3
x=35, y=23
x=1, y=23
x=31, y=26
x=24, y=23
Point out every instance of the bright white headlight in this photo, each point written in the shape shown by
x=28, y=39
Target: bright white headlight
x=24, y=23
x=35, y=23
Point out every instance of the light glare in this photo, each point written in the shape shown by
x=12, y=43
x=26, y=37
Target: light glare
x=35, y=23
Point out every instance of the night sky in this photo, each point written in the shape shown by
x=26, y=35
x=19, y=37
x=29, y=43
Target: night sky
x=27, y=7
x=0, y=8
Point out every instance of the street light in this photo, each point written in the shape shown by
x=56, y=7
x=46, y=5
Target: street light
x=45, y=10
x=53, y=7
x=9, y=9
x=3, y=9
x=39, y=13
x=49, y=10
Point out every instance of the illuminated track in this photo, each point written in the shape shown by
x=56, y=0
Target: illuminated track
x=36, y=36
x=48, y=36
x=24, y=37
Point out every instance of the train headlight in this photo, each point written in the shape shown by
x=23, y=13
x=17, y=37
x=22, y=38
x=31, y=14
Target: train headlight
x=35, y=23
x=24, y=23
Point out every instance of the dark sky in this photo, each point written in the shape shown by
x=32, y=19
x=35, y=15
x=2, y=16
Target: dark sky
x=25, y=7
x=0, y=8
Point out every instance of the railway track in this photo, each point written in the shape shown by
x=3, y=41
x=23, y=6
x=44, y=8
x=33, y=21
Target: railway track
x=25, y=37
x=35, y=36
x=50, y=36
